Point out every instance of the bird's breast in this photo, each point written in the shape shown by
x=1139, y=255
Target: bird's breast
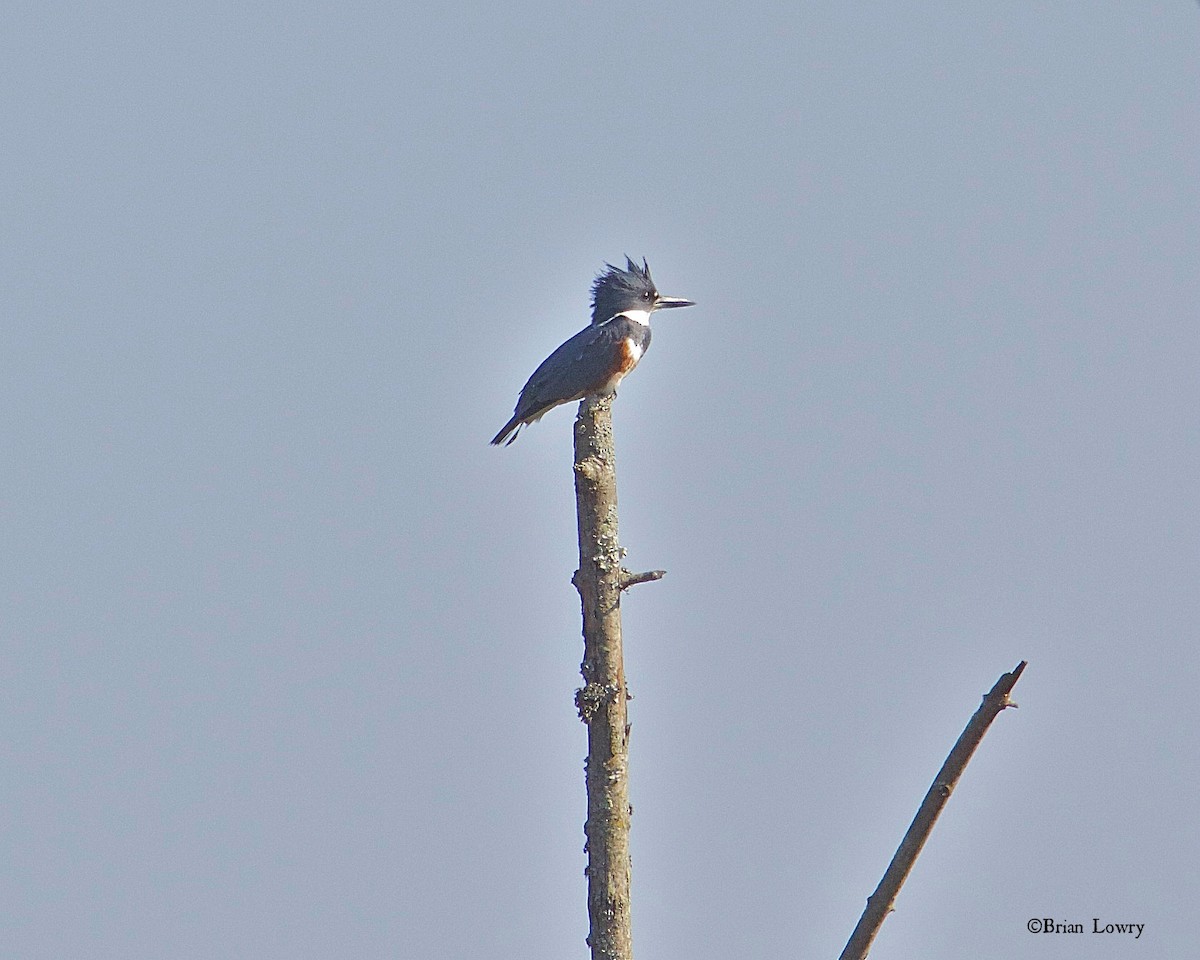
x=625, y=356
x=629, y=352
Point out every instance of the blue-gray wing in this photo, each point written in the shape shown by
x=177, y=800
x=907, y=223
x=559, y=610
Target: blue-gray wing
x=571, y=372
x=582, y=365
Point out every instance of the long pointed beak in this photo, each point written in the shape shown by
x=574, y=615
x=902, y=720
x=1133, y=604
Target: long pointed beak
x=673, y=302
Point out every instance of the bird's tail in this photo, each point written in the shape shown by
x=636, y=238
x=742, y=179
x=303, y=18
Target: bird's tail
x=508, y=433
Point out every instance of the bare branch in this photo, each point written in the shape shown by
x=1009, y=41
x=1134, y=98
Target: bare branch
x=882, y=901
x=602, y=700
x=629, y=579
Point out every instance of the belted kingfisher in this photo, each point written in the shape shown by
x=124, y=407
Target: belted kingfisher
x=597, y=358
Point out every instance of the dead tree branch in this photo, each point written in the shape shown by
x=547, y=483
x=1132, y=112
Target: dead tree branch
x=881, y=902
x=602, y=699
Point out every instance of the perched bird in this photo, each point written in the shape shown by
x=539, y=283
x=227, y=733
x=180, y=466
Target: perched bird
x=597, y=358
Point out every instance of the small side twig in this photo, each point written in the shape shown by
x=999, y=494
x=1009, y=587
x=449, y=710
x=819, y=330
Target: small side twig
x=881, y=902
x=630, y=579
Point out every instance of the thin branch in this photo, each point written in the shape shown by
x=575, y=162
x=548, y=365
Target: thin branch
x=881, y=903
x=629, y=579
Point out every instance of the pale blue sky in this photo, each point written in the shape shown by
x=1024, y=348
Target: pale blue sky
x=290, y=651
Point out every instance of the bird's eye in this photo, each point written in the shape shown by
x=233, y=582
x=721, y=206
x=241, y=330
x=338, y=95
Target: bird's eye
x=645, y=294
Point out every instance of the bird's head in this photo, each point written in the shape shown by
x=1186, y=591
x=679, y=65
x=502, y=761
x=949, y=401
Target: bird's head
x=628, y=291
